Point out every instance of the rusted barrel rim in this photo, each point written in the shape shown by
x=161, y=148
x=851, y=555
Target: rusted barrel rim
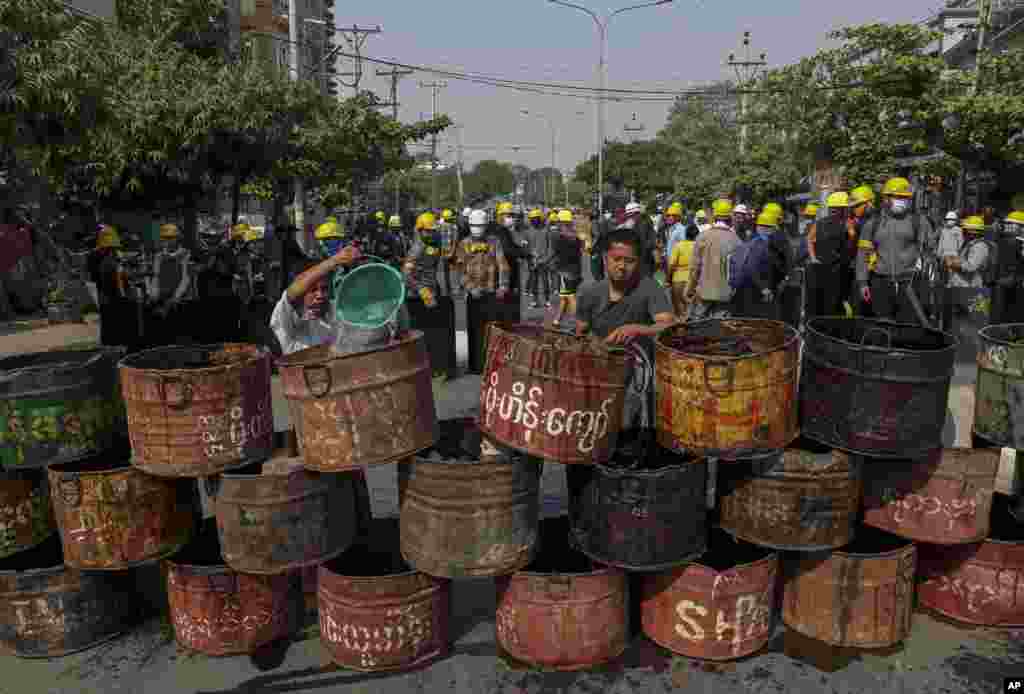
x=880, y=555
x=826, y=320
x=986, y=333
x=254, y=353
x=369, y=579
x=619, y=471
x=322, y=356
x=772, y=556
x=605, y=570
x=529, y=331
x=792, y=336
x=112, y=467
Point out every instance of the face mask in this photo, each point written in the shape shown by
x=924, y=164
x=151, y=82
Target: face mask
x=900, y=206
x=765, y=231
x=536, y=224
x=331, y=246
x=508, y=222
x=950, y=223
x=476, y=232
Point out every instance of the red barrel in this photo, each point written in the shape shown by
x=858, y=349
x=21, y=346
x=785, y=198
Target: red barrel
x=719, y=607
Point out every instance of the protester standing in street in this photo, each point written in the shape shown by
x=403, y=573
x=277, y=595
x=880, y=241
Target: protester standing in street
x=971, y=276
x=678, y=271
x=171, y=280
x=517, y=254
x=118, y=315
x=709, y=293
x=675, y=232
x=758, y=268
x=634, y=221
x=387, y=242
x=568, y=252
x=484, y=271
x=215, y=285
x=828, y=244
x=541, y=249
x=430, y=310
x=1008, y=292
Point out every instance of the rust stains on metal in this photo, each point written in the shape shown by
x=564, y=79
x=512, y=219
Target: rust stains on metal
x=375, y=613
x=999, y=405
x=467, y=511
x=980, y=583
x=860, y=596
x=717, y=608
x=217, y=611
x=552, y=395
x=278, y=516
x=806, y=498
x=875, y=388
x=733, y=399
x=565, y=611
x=198, y=411
x=112, y=516
x=25, y=510
x=944, y=498
x=361, y=409
x=644, y=510
x=48, y=609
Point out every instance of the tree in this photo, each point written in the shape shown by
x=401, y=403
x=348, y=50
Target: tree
x=490, y=178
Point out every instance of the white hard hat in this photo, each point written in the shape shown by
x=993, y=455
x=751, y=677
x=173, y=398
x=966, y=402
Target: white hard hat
x=952, y=215
x=466, y=211
x=477, y=218
x=740, y=209
x=633, y=207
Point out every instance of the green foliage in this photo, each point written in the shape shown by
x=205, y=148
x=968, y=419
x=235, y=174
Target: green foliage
x=644, y=167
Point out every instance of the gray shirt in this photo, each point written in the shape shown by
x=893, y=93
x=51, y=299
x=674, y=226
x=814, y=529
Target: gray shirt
x=595, y=308
x=897, y=247
x=973, y=260
x=950, y=241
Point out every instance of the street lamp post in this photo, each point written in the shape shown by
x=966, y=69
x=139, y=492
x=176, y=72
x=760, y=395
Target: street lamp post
x=551, y=126
x=602, y=30
x=746, y=72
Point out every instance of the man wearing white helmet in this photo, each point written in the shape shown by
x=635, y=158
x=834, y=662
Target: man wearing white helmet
x=485, y=275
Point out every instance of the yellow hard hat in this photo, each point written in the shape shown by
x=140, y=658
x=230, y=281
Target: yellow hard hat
x=108, y=237
x=253, y=235
x=974, y=223
x=535, y=214
x=900, y=187
x=425, y=222
x=329, y=230
x=379, y=216
x=701, y=214
x=447, y=215
x=332, y=219
x=674, y=210
x=774, y=209
x=553, y=216
x=239, y=231
x=504, y=208
x=837, y=199
x=564, y=217
x=1016, y=217
x=168, y=232
x=722, y=208
x=811, y=210
x=394, y=221
x=767, y=219
x=861, y=195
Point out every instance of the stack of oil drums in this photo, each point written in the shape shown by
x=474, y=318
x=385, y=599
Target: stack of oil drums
x=62, y=438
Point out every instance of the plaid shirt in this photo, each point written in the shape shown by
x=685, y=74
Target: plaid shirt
x=482, y=264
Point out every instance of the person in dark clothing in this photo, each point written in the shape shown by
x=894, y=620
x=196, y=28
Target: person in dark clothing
x=1008, y=290
x=387, y=243
x=118, y=315
x=764, y=260
x=515, y=255
x=568, y=252
x=641, y=227
x=215, y=284
x=829, y=249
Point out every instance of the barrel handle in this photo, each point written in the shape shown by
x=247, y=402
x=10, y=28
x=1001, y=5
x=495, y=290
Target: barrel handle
x=877, y=329
x=185, y=388
x=730, y=370
x=327, y=383
x=559, y=585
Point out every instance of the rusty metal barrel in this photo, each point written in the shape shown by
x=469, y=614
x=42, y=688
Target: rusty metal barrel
x=467, y=509
x=944, y=498
x=804, y=499
x=48, y=609
x=999, y=390
x=198, y=411
x=717, y=608
x=727, y=388
x=277, y=516
x=58, y=406
x=552, y=395
x=217, y=611
x=25, y=510
x=112, y=516
x=980, y=583
x=366, y=408
x=563, y=611
x=875, y=388
x=860, y=596
x=376, y=612
x=644, y=510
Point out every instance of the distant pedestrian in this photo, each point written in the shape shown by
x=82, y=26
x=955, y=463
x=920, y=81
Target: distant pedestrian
x=709, y=293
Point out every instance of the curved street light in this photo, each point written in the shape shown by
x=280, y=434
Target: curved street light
x=602, y=30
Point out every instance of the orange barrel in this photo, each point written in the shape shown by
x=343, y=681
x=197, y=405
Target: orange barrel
x=860, y=596
x=218, y=611
x=112, y=516
x=376, y=612
x=727, y=388
x=980, y=583
x=944, y=498
x=552, y=395
x=25, y=510
x=198, y=411
x=564, y=611
x=717, y=608
x=806, y=498
x=366, y=408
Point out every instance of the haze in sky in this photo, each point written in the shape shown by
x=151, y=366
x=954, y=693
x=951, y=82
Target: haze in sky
x=684, y=44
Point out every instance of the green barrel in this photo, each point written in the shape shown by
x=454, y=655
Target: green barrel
x=58, y=406
x=999, y=393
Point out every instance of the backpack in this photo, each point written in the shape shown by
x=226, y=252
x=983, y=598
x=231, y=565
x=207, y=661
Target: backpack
x=990, y=273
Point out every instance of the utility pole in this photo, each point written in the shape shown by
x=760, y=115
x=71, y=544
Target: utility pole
x=395, y=74
x=299, y=200
x=435, y=87
x=746, y=71
x=984, y=19
x=458, y=170
x=355, y=37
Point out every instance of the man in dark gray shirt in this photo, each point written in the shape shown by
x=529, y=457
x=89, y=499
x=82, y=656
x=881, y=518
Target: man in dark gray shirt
x=628, y=308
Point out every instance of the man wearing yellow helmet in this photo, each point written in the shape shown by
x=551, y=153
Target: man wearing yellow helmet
x=1008, y=292
x=117, y=313
x=387, y=243
x=171, y=281
x=540, y=243
x=215, y=284
x=448, y=234
x=830, y=254
x=709, y=293
x=971, y=279
x=757, y=270
x=900, y=239
x=568, y=252
x=430, y=311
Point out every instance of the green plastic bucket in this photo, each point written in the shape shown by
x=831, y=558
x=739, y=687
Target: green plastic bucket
x=369, y=296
